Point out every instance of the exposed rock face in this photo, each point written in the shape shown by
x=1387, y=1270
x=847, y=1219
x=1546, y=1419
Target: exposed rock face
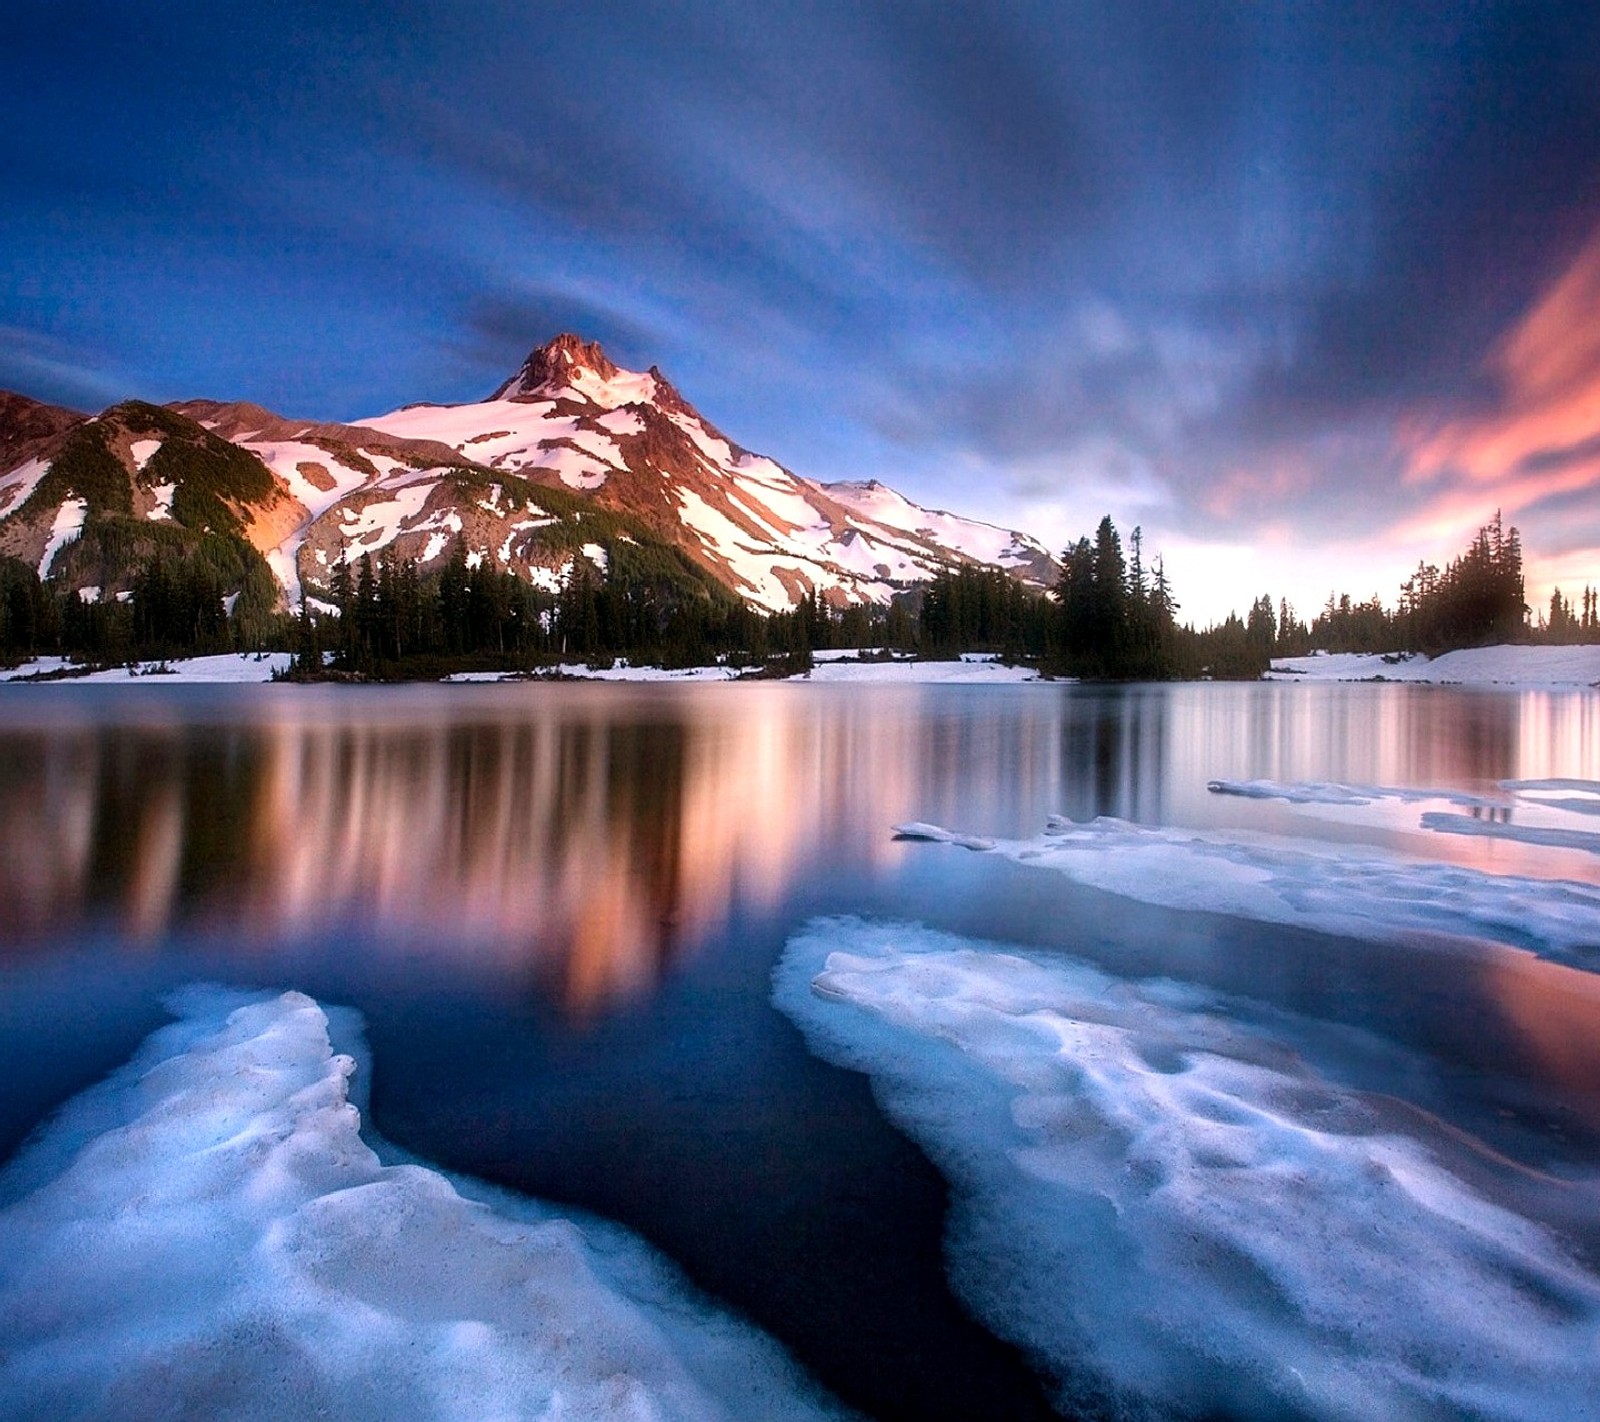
x=30, y=430
x=550, y=367
x=572, y=461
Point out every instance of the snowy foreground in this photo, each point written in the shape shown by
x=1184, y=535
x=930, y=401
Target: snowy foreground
x=1161, y=1200
x=1473, y=666
x=206, y=1234
x=1175, y=1214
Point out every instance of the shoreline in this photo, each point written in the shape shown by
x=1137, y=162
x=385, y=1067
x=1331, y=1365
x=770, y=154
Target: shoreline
x=1572, y=668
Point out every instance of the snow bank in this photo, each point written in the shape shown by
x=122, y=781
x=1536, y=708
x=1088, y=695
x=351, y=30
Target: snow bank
x=1328, y=887
x=962, y=673
x=207, y=1235
x=224, y=667
x=1501, y=666
x=1173, y=1213
x=578, y=671
x=896, y=673
x=34, y=667
x=143, y=450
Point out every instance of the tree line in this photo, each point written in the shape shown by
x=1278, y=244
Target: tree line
x=1112, y=614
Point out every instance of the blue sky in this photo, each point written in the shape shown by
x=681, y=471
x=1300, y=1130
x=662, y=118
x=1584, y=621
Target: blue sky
x=1302, y=288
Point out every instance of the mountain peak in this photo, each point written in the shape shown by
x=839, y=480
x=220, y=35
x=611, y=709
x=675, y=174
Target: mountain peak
x=553, y=364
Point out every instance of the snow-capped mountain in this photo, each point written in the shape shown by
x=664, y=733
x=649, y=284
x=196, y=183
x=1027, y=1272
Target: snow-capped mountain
x=571, y=459
x=630, y=440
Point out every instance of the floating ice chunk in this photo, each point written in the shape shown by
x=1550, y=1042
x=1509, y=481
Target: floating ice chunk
x=206, y=1234
x=1585, y=799
x=1174, y=1214
x=1332, y=888
x=1583, y=787
x=1320, y=792
x=1306, y=793
x=1549, y=836
x=916, y=829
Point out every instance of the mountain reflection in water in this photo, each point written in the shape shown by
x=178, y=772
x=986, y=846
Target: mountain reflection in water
x=586, y=836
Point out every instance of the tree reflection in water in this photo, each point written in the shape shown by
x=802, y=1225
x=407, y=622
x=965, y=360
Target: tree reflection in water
x=582, y=838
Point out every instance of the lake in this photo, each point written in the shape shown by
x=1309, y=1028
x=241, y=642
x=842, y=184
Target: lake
x=559, y=910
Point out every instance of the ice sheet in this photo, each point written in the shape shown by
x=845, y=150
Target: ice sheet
x=206, y=1234
x=1174, y=1214
x=1333, y=888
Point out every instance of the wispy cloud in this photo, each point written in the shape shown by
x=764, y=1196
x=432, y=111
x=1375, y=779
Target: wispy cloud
x=1538, y=436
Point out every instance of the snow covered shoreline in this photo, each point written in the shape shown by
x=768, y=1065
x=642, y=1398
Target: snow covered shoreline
x=1472, y=666
x=1551, y=668
x=226, y=668
x=243, y=668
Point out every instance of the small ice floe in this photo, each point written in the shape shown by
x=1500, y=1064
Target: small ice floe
x=916, y=829
x=1323, y=792
x=1550, y=836
x=1175, y=1215
x=207, y=1234
x=1578, y=797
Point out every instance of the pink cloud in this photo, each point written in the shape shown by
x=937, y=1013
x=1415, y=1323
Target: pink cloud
x=1542, y=437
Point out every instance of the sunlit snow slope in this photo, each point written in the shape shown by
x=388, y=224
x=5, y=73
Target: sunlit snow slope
x=571, y=417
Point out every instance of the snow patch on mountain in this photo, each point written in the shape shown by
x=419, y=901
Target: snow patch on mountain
x=20, y=482
x=67, y=526
x=981, y=542
x=143, y=450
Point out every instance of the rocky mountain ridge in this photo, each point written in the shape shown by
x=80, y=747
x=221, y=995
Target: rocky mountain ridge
x=571, y=459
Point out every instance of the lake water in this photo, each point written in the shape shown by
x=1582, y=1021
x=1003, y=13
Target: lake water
x=559, y=909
